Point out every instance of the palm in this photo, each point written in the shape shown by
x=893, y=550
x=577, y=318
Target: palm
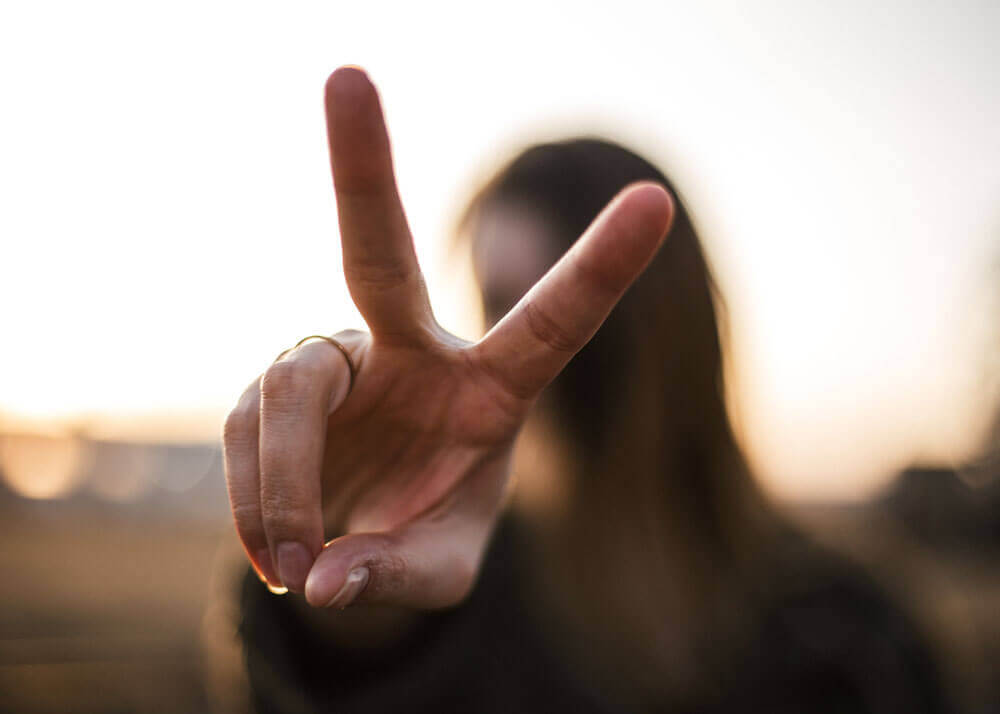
x=408, y=470
x=411, y=433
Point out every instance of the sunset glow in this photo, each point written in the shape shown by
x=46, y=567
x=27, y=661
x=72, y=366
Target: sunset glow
x=169, y=225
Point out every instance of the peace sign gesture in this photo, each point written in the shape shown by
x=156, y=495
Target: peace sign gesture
x=407, y=468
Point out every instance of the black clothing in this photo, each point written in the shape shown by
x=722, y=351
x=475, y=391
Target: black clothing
x=828, y=641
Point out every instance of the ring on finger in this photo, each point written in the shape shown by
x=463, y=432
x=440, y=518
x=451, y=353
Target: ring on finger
x=336, y=343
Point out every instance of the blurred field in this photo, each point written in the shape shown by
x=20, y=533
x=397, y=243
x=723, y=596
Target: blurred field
x=108, y=580
x=103, y=601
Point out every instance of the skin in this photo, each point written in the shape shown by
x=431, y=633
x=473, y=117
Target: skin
x=407, y=471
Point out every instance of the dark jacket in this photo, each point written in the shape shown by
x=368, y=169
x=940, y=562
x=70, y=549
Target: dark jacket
x=828, y=641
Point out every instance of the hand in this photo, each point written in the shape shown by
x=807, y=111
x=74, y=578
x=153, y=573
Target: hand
x=409, y=469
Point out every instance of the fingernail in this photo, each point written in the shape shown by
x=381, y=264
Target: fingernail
x=264, y=568
x=294, y=563
x=356, y=581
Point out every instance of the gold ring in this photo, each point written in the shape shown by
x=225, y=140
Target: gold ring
x=336, y=343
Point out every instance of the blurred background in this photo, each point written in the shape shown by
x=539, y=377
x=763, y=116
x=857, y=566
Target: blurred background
x=168, y=227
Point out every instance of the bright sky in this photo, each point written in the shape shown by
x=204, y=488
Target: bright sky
x=167, y=222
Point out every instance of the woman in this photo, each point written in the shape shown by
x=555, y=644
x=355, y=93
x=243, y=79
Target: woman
x=638, y=569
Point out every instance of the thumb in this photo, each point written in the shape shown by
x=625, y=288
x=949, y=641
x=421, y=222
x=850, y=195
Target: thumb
x=425, y=565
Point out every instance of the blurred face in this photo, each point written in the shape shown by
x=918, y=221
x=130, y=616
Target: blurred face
x=513, y=246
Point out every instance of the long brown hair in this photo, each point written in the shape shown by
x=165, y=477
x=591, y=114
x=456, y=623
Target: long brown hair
x=662, y=510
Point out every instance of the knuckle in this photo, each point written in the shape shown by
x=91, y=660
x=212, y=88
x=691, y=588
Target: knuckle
x=547, y=330
x=240, y=422
x=288, y=526
x=249, y=525
x=247, y=516
x=351, y=335
x=379, y=276
x=320, y=360
x=287, y=379
x=281, y=514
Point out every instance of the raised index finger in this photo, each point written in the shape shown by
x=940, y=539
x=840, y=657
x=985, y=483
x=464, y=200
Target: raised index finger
x=559, y=315
x=379, y=260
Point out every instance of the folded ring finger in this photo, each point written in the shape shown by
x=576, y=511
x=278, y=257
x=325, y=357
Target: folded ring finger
x=297, y=394
x=240, y=455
